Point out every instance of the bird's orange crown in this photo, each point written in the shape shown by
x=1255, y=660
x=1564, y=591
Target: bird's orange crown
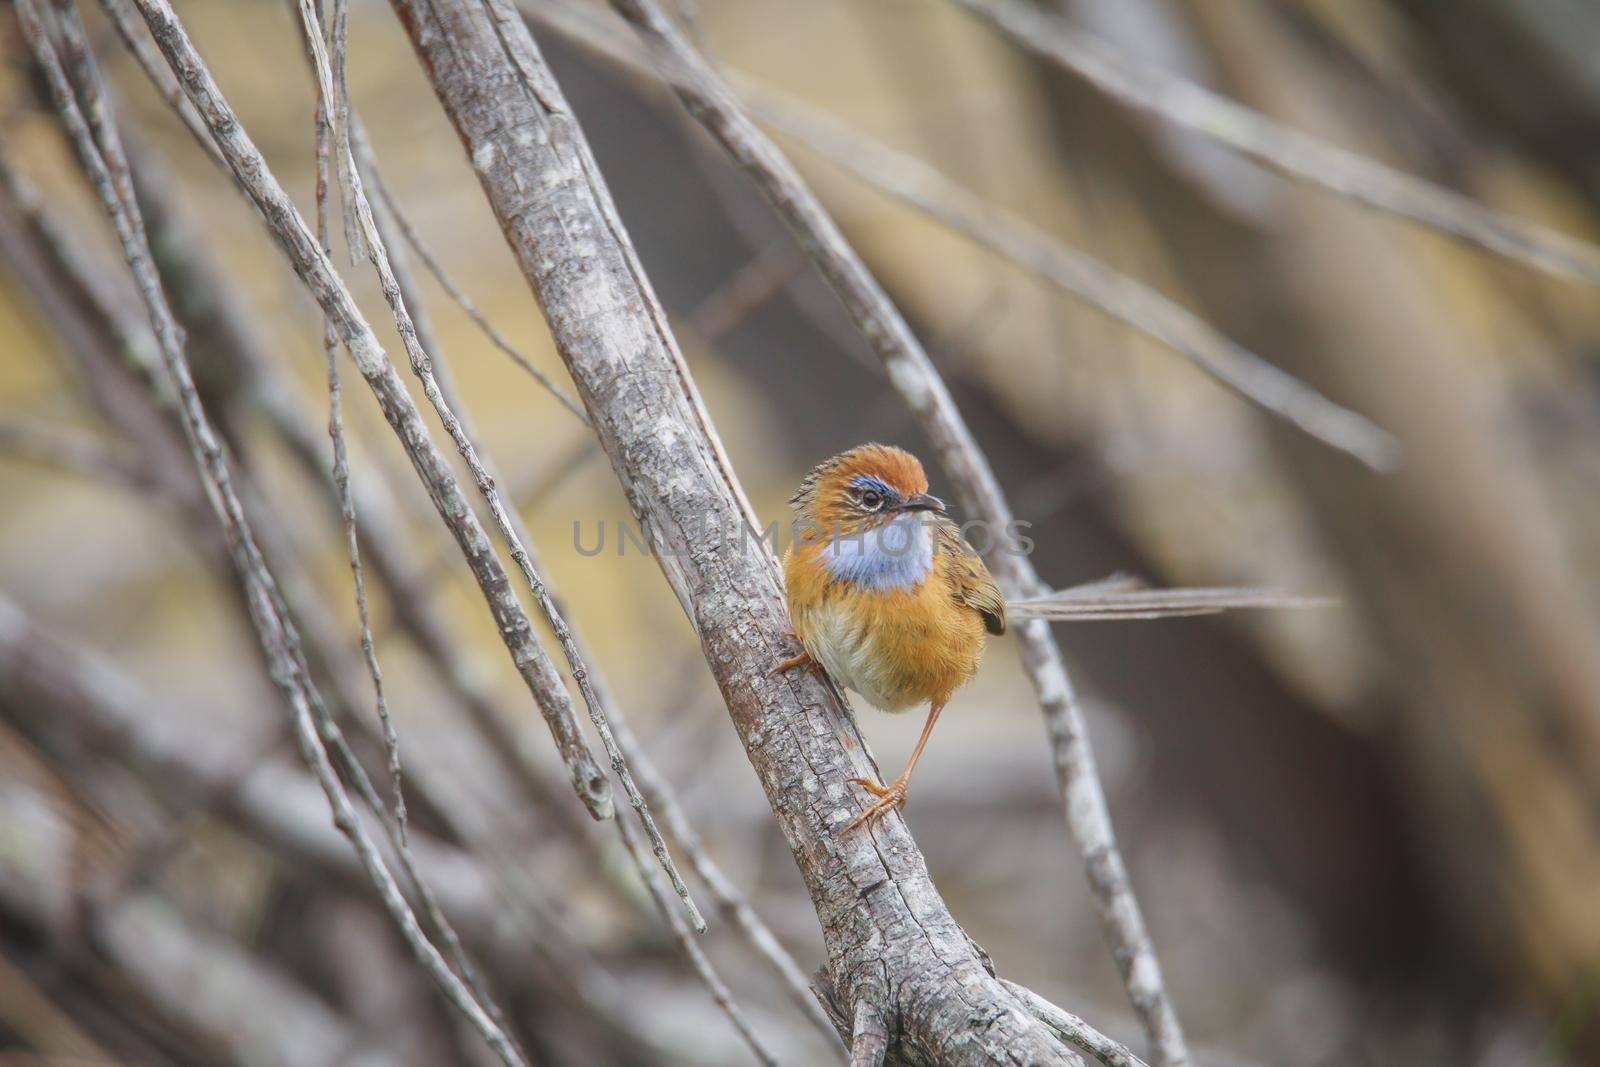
x=861, y=488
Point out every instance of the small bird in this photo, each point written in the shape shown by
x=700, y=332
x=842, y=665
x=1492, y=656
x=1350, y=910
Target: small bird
x=888, y=598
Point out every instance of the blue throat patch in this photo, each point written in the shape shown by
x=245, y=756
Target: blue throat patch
x=895, y=555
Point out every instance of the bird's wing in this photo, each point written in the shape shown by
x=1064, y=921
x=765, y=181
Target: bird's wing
x=1121, y=597
x=970, y=582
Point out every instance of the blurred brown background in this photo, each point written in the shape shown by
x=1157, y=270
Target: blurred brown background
x=1366, y=835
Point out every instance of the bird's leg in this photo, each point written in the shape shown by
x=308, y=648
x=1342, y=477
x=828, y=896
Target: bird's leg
x=894, y=795
x=802, y=660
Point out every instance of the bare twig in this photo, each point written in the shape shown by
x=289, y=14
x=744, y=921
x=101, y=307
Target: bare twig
x=341, y=457
x=1071, y=1028
x=877, y=906
x=733, y=904
x=1116, y=294
x=464, y=302
x=914, y=377
x=70, y=450
x=99, y=152
x=317, y=272
x=509, y=521
x=720, y=993
x=1284, y=149
x=422, y=366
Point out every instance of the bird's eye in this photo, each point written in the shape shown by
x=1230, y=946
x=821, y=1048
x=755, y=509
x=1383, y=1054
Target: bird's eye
x=871, y=499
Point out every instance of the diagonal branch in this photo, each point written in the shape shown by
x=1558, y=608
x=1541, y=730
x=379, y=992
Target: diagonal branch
x=1284, y=149
x=374, y=245
x=1097, y=283
x=314, y=268
x=95, y=141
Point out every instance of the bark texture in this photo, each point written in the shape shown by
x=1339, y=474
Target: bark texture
x=890, y=939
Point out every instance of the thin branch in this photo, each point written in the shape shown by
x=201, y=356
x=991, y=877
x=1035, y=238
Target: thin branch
x=1110, y=1052
x=99, y=152
x=71, y=450
x=733, y=903
x=382, y=198
x=1284, y=149
x=914, y=377
x=422, y=365
x=703, y=969
x=314, y=268
x=341, y=457
x=514, y=531
x=1118, y=295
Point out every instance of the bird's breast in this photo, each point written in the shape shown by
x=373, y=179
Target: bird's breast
x=899, y=648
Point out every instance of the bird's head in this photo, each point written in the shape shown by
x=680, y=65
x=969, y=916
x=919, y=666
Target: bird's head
x=863, y=488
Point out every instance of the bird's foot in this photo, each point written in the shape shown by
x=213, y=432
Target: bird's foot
x=889, y=798
x=802, y=660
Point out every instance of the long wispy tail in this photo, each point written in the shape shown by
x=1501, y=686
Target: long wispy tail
x=1122, y=597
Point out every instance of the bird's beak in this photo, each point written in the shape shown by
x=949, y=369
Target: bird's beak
x=922, y=502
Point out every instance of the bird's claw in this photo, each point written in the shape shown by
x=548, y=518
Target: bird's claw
x=889, y=798
x=802, y=660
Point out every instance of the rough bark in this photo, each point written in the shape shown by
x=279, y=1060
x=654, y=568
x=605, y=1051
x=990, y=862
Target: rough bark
x=890, y=939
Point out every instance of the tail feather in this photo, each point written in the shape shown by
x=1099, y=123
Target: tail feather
x=1120, y=597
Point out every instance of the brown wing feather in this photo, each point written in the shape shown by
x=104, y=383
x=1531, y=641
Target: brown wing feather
x=970, y=582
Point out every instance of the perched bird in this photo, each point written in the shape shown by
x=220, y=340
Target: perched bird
x=888, y=598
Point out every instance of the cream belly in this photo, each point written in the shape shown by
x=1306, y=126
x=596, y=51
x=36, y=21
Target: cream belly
x=847, y=650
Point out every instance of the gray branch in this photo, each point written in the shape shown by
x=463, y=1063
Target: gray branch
x=93, y=137
x=1284, y=149
x=314, y=268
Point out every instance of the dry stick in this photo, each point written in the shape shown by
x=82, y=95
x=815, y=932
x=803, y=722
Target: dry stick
x=687, y=944
x=1284, y=149
x=1108, y=1051
x=116, y=195
x=888, y=934
x=412, y=598
x=221, y=789
x=341, y=479
x=314, y=268
x=914, y=377
x=72, y=450
x=127, y=25
x=422, y=365
x=387, y=222
x=382, y=198
x=107, y=142
x=1116, y=294
x=733, y=903
x=512, y=528
x=347, y=504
